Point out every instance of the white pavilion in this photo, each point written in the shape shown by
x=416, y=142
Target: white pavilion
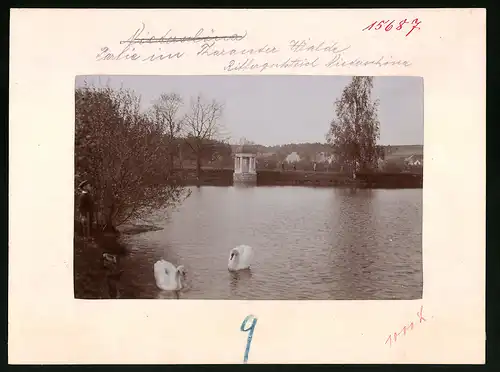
x=244, y=164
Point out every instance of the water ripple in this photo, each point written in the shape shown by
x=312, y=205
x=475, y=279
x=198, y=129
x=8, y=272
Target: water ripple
x=309, y=243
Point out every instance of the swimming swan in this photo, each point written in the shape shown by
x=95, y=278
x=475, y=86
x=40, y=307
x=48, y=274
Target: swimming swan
x=167, y=276
x=240, y=258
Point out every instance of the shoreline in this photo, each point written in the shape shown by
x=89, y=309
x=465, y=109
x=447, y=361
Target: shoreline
x=376, y=180
x=93, y=279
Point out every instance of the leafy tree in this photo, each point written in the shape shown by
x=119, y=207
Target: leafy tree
x=355, y=130
x=122, y=153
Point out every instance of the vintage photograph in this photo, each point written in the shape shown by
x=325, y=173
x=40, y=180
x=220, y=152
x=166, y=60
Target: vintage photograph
x=248, y=187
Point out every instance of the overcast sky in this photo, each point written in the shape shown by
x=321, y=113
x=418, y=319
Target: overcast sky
x=274, y=110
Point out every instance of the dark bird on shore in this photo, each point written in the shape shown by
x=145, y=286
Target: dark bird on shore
x=109, y=260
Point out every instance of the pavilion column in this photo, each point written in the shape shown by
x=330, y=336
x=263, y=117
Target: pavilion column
x=235, y=163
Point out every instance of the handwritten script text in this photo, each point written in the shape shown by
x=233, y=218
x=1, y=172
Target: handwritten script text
x=142, y=36
x=298, y=53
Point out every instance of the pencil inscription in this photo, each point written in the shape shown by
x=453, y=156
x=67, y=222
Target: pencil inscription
x=129, y=48
x=298, y=53
x=409, y=327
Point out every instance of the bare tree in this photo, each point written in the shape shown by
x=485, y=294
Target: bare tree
x=165, y=113
x=202, y=125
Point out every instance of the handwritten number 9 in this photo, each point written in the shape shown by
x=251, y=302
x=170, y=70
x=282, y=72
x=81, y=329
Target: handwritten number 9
x=250, y=333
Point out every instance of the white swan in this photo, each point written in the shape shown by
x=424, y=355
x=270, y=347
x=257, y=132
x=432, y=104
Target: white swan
x=167, y=276
x=240, y=258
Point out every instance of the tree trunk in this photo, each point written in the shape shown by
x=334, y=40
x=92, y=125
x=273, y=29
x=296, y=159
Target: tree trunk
x=198, y=168
x=109, y=226
x=181, y=162
x=170, y=164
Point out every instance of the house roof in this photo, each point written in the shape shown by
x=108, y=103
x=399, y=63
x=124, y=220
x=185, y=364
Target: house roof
x=415, y=157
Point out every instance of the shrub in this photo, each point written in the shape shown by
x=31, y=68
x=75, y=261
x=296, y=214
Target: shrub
x=123, y=154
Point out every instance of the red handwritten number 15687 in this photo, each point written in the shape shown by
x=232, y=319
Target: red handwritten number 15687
x=398, y=25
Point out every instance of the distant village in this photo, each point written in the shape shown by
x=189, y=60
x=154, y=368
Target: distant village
x=304, y=157
x=301, y=156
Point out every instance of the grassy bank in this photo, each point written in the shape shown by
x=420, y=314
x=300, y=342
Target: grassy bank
x=224, y=177
x=209, y=177
x=301, y=178
x=94, y=278
x=391, y=180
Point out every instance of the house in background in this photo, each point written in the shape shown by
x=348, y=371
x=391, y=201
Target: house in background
x=323, y=157
x=415, y=160
x=292, y=158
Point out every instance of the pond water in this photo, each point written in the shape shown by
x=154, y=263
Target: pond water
x=309, y=244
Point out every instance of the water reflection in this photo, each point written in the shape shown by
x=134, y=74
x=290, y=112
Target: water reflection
x=239, y=280
x=168, y=295
x=244, y=186
x=356, y=244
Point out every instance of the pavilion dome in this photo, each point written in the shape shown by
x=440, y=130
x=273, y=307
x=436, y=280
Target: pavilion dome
x=245, y=149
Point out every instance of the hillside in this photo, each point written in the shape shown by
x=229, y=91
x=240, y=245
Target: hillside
x=403, y=151
x=309, y=150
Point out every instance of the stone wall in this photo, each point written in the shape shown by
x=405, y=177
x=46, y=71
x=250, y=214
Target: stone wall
x=245, y=177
